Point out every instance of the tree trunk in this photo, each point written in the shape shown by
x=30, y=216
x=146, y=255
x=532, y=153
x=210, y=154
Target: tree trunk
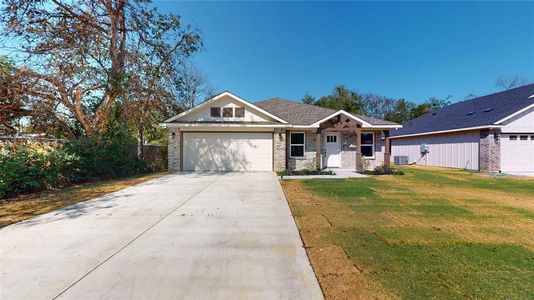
x=140, y=142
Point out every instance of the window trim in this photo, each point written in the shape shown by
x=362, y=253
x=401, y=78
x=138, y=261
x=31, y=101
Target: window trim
x=235, y=112
x=367, y=145
x=303, y=144
x=227, y=107
x=215, y=107
x=331, y=135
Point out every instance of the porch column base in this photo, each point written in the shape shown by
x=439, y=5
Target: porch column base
x=318, y=150
x=359, y=161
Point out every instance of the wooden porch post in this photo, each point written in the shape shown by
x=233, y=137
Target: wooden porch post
x=359, y=164
x=387, y=149
x=318, y=149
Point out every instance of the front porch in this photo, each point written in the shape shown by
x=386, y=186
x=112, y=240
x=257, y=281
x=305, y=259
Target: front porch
x=341, y=142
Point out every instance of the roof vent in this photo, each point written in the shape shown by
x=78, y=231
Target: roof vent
x=488, y=109
x=470, y=113
x=433, y=113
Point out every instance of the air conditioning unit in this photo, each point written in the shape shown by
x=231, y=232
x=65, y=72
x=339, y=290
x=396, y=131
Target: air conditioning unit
x=424, y=148
x=400, y=160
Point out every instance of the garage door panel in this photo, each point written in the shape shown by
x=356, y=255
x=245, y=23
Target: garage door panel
x=517, y=155
x=228, y=151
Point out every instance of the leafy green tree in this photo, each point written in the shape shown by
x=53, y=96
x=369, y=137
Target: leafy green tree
x=342, y=98
x=401, y=112
x=76, y=59
x=12, y=107
x=430, y=105
x=308, y=99
x=378, y=106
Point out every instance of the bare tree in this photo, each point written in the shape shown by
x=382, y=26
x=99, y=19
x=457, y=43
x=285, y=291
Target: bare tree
x=507, y=83
x=75, y=57
x=192, y=85
x=470, y=96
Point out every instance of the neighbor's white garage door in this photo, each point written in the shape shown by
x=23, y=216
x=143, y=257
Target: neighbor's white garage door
x=517, y=153
x=225, y=151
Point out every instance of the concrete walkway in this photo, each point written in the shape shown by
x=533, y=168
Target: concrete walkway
x=185, y=236
x=339, y=174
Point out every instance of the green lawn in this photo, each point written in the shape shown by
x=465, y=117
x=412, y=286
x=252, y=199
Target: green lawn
x=432, y=233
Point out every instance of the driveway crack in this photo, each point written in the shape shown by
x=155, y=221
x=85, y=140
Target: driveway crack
x=137, y=237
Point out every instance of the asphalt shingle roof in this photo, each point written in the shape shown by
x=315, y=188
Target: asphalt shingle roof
x=297, y=113
x=481, y=111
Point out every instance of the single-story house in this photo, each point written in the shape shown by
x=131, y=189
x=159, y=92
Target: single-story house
x=493, y=133
x=227, y=133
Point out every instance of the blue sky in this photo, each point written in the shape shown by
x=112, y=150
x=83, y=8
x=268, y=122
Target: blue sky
x=412, y=50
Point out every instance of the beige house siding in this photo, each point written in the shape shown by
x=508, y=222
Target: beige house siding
x=454, y=150
x=205, y=113
x=522, y=123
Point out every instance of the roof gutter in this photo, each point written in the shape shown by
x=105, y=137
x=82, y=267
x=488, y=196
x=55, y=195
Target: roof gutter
x=193, y=125
x=448, y=131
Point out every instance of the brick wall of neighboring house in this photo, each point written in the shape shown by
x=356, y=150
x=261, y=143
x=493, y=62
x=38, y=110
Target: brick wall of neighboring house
x=309, y=159
x=279, y=155
x=490, y=150
x=174, y=150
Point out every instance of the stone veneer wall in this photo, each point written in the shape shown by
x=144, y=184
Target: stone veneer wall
x=279, y=148
x=174, y=150
x=309, y=159
x=348, y=152
x=490, y=150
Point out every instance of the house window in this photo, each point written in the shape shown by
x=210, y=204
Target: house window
x=532, y=137
x=296, y=144
x=239, y=112
x=513, y=137
x=215, y=112
x=523, y=137
x=368, y=144
x=331, y=138
x=228, y=112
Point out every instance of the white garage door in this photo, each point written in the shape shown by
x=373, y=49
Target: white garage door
x=517, y=153
x=225, y=151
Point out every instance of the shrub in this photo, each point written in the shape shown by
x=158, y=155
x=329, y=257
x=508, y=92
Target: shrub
x=27, y=167
x=381, y=170
x=305, y=172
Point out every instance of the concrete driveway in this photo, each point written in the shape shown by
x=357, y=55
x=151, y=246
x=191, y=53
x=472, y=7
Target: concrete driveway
x=184, y=236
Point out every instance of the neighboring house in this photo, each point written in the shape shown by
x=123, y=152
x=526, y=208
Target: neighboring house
x=494, y=133
x=227, y=133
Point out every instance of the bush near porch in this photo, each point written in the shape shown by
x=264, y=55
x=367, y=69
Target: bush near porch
x=27, y=166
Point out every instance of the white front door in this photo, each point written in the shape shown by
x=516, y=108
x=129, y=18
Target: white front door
x=332, y=146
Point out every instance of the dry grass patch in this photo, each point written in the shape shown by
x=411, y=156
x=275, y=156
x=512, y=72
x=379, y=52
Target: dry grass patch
x=432, y=233
x=338, y=276
x=13, y=210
